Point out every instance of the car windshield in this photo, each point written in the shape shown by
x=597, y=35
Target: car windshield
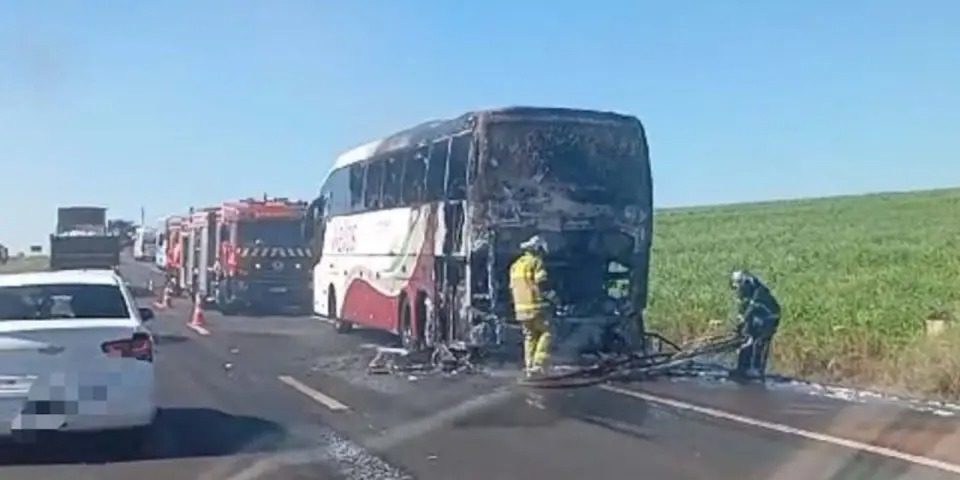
x=48, y=302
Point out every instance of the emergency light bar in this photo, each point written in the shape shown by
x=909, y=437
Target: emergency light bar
x=264, y=209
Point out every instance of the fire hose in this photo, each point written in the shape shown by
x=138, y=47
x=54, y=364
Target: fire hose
x=638, y=364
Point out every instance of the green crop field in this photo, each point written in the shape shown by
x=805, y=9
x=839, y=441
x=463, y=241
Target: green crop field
x=857, y=278
x=25, y=264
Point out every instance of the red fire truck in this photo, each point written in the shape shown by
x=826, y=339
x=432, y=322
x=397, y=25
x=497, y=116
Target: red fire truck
x=199, y=249
x=171, y=258
x=261, y=261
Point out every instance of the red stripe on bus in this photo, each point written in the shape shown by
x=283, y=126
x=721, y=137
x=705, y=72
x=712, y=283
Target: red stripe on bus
x=365, y=305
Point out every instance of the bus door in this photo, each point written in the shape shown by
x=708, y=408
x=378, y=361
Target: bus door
x=315, y=226
x=446, y=181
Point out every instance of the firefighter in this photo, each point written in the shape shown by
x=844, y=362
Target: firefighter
x=531, y=303
x=759, y=315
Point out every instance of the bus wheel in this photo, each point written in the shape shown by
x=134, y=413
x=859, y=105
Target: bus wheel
x=427, y=329
x=339, y=324
x=408, y=337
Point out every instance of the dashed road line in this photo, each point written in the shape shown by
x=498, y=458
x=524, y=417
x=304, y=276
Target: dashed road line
x=315, y=395
x=197, y=328
x=355, y=459
x=786, y=429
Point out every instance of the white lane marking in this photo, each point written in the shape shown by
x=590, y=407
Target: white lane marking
x=316, y=395
x=356, y=455
x=777, y=427
x=198, y=329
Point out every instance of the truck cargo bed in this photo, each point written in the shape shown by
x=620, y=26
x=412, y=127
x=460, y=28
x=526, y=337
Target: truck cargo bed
x=74, y=252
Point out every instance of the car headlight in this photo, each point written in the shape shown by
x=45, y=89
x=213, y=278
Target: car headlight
x=298, y=266
x=257, y=266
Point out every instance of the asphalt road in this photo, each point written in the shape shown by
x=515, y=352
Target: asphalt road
x=287, y=397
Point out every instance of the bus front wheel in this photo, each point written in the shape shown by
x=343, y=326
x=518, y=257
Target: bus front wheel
x=339, y=324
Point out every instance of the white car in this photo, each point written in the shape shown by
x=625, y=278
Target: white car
x=74, y=355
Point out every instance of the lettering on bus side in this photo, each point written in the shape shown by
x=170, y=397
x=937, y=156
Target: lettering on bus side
x=344, y=238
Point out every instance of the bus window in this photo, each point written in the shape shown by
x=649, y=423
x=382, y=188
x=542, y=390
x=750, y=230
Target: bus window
x=223, y=234
x=437, y=169
x=459, y=155
x=373, y=185
x=356, y=187
x=338, y=190
x=414, y=177
x=392, y=181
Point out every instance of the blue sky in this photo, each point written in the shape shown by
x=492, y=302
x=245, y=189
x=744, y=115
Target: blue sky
x=171, y=104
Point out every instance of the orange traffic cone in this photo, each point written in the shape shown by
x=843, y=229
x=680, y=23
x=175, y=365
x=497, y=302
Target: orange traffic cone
x=197, y=319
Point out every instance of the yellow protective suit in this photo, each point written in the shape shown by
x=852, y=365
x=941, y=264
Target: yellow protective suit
x=527, y=276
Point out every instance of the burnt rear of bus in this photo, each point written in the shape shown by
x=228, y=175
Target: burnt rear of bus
x=582, y=180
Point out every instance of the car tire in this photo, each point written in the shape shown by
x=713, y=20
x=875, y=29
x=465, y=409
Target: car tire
x=226, y=300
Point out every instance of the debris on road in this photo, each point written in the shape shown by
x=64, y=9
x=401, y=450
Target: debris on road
x=398, y=360
x=636, y=364
x=449, y=359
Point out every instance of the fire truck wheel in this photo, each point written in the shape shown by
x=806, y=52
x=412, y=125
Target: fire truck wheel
x=226, y=305
x=228, y=308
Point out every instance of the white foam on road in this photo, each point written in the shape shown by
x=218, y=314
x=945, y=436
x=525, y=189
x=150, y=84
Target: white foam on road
x=314, y=394
x=437, y=420
x=856, y=395
x=349, y=459
x=788, y=430
x=719, y=374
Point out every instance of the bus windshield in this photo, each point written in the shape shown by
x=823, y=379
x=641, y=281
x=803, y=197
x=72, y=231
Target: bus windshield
x=279, y=233
x=595, y=163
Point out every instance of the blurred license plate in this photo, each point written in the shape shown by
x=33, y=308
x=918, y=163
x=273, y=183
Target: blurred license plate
x=278, y=289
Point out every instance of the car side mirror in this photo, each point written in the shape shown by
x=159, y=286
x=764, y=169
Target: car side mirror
x=146, y=314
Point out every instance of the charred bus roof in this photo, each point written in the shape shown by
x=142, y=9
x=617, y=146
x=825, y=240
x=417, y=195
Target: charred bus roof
x=429, y=131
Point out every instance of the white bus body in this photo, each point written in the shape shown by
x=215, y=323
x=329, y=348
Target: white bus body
x=415, y=233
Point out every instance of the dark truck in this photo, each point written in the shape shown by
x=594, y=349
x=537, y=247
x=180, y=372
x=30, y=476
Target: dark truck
x=81, y=240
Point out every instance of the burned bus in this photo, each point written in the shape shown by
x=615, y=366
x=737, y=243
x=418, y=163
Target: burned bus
x=415, y=233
